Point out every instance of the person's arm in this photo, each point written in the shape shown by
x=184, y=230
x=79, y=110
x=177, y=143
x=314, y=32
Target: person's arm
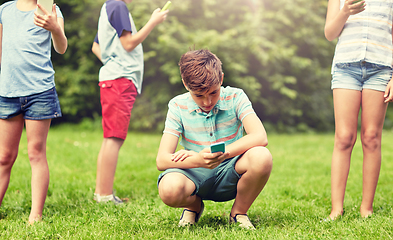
x=336, y=18
x=96, y=50
x=55, y=25
x=256, y=136
x=129, y=41
x=1, y=41
x=167, y=158
x=389, y=88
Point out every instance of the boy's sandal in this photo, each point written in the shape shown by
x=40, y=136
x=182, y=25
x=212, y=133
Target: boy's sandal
x=243, y=220
x=189, y=217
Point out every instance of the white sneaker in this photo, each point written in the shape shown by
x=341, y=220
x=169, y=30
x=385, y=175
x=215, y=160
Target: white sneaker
x=243, y=220
x=190, y=217
x=108, y=198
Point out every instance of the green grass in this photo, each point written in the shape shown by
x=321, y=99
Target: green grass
x=292, y=205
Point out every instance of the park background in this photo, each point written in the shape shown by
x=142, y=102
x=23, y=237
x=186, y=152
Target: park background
x=273, y=49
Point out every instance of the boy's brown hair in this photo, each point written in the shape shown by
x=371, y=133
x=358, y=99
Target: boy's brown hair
x=200, y=70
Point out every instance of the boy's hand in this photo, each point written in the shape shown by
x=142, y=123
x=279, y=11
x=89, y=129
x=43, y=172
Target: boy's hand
x=47, y=21
x=212, y=160
x=181, y=155
x=158, y=17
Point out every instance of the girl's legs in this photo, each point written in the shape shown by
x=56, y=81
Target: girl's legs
x=346, y=111
x=106, y=165
x=11, y=131
x=37, y=133
x=373, y=115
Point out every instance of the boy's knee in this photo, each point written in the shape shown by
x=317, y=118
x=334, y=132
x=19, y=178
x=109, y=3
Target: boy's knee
x=261, y=160
x=172, y=190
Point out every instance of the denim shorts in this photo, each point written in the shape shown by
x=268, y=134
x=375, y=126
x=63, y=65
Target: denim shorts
x=218, y=184
x=361, y=75
x=38, y=106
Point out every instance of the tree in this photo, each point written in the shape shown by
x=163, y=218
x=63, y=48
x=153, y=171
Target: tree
x=274, y=50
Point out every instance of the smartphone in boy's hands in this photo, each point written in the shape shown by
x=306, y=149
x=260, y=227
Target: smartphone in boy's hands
x=46, y=4
x=217, y=147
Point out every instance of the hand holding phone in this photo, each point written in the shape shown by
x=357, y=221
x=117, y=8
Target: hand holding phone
x=166, y=6
x=217, y=147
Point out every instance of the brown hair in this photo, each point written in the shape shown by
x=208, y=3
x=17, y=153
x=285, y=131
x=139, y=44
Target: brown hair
x=200, y=70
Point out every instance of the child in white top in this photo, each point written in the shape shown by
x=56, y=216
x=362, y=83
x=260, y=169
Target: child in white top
x=361, y=79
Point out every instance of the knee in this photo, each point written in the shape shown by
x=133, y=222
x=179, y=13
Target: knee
x=345, y=141
x=8, y=158
x=36, y=152
x=171, y=191
x=261, y=160
x=371, y=140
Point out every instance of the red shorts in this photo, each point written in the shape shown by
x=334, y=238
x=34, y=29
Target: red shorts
x=117, y=100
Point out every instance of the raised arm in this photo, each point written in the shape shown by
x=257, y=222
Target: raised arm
x=336, y=18
x=53, y=24
x=129, y=41
x=1, y=41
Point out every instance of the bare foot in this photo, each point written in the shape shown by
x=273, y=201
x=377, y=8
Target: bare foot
x=34, y=220
x=365, y=213
x=335, y=215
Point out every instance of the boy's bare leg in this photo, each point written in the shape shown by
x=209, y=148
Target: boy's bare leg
x=106, y=165
x=373, y=115
x=346, y=111
x=255, y=165
x=11, y=131
x=37, y=133
x=175, y=190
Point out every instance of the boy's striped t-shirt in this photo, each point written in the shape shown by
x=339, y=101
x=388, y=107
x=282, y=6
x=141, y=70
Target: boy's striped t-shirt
x=199, y=129
x=367, y=36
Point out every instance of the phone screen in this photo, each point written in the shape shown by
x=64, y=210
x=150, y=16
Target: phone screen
x=217, y=147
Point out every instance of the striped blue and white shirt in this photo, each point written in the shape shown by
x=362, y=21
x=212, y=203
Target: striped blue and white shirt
x=367, y=36
x=199, y=129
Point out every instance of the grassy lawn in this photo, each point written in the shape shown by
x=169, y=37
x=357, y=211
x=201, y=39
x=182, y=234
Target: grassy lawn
x=295, y=200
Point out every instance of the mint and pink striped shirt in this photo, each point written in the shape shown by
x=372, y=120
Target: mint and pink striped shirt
x=367, y=36
x=199, y=129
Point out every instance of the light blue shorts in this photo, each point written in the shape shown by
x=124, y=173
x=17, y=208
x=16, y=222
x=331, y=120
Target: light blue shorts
x=361, y=75
x=38, y=106
x=218, y=184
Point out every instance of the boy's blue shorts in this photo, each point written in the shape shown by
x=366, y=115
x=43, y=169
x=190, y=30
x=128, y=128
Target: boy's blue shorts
x=218, y=184
x=38, y=106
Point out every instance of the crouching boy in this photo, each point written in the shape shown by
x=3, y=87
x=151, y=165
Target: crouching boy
x=209, y=113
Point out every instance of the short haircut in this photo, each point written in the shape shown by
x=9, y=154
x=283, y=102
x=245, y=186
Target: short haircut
x=200, y=70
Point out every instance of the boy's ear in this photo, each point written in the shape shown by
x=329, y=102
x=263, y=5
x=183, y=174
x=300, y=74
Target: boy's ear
x=222, y=78
x=185, y=84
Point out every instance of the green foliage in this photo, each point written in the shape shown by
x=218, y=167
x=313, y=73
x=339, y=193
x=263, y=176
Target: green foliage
x=274, y=50
x=291, y=206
